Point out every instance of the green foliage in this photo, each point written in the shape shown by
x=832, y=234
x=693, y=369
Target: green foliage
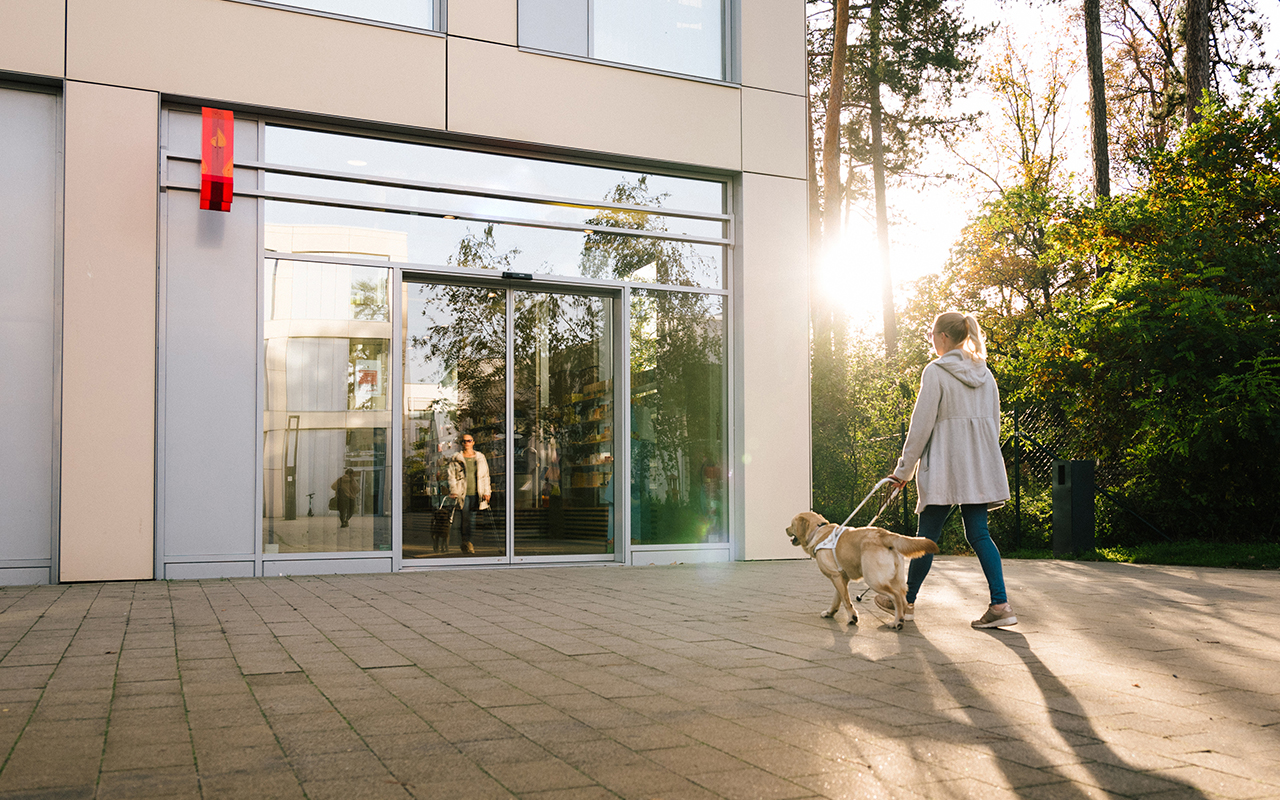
x=1171, y=367
x=1191, y=553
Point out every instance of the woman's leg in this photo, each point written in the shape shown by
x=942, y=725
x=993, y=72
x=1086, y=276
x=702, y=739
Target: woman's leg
x=975, y=530
x=931, y=520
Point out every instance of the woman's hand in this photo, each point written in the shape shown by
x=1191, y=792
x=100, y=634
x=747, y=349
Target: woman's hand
x=898, y=483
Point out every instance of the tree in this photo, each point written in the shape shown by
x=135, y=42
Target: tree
x=909, y=58
x=1170, y=369
x=1146, y=70
x=1097, y=99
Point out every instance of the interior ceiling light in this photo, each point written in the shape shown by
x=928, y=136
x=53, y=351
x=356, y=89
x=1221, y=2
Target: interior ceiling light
x=449, y=216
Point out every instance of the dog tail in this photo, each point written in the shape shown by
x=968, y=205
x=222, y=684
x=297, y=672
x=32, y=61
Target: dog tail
x=908, y=546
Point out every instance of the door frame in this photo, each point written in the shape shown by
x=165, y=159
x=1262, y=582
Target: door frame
x=510, y=283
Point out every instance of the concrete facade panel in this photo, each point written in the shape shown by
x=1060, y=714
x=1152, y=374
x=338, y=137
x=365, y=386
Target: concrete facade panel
x=235, y=52
x=486, y=20
x=773, y=45
x=567, y=103
x=32, y=36
x=109, y=330
x=774, y=134
x=775, y=381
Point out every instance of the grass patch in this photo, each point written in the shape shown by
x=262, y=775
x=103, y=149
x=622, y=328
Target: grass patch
x=1183, y=554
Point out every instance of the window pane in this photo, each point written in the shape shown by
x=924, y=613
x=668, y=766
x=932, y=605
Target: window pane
x=323, y=230
x=410, y=13
x=455, y=383
x=677, y=418
x=473, y=169
x=327, y=347
x=682, y=36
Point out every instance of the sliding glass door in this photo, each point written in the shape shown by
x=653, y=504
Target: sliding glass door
x=508, y=423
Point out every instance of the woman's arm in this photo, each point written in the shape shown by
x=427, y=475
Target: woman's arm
x=923, y=417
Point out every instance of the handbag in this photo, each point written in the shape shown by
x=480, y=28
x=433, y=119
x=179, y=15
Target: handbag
x=333, y=503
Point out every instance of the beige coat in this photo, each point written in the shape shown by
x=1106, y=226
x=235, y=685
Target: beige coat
x=954, y=438
x=458, y=477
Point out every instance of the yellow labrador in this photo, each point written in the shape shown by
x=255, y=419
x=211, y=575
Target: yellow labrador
x=874, y=554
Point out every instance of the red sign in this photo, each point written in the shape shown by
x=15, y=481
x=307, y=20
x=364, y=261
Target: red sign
x=216, y=159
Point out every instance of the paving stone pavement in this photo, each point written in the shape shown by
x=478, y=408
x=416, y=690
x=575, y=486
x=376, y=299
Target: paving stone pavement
x=695, y=681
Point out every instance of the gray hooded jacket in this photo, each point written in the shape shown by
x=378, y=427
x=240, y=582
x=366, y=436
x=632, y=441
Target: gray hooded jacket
x=955, y=436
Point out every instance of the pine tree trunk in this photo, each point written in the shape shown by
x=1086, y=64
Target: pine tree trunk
x=825, y=319
x=878, y=171
x=1097, y=99
x=1197, y=69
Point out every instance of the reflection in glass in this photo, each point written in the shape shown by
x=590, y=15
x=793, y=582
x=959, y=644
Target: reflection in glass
x=410, y=13
x=564, y=419
x=684, y=36
x=327, y=362
x=677, y=418
x=454, y=383
x=302, y=228
x=442, y=165
x=489, y=207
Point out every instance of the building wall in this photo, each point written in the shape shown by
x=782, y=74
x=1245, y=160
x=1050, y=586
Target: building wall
x=118, y=60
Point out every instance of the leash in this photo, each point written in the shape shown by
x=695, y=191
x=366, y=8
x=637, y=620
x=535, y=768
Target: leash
x=874, y=489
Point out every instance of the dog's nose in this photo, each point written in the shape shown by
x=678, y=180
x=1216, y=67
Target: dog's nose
x=793, y=539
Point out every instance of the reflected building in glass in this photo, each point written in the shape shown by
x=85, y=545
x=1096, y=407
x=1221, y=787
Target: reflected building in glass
x=560, y=318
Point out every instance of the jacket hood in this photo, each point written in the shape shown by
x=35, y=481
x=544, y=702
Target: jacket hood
x=969, y=371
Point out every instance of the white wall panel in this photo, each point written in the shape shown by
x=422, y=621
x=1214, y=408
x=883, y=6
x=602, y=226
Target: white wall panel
x=486, y=20
x=32, y=36
x=773, y=45
x=774, y=320
x=774, y=134
x=109, y=334
x=567, y=103
x=236, y=52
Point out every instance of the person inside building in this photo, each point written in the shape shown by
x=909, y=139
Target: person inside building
x=469, y=487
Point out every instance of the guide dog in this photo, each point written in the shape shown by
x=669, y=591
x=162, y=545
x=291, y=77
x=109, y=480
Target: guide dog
x=873, y=554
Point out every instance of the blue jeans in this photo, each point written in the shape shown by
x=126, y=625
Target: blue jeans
x=979, y=538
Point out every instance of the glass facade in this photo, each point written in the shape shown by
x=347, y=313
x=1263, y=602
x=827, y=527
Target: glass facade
x=326, y=354
x=468, y=308
x=677, y=418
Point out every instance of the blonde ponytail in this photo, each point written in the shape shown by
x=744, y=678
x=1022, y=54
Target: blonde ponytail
x=963, y=329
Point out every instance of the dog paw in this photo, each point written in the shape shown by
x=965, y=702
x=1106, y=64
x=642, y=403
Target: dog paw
x=853, y=620
x=828, y=614
x=897, y=626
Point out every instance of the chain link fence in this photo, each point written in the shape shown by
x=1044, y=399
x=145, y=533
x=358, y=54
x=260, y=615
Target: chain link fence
x=1032, y=438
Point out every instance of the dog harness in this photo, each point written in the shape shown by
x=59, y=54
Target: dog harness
x=829, y=543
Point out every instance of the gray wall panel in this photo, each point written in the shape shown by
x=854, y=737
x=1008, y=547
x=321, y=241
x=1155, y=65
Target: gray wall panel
x=210, y=426
x=28, y=164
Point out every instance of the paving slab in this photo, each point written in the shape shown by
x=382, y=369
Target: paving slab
x=689, y=681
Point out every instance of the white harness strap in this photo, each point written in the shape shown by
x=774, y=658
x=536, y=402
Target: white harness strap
x=829, y=543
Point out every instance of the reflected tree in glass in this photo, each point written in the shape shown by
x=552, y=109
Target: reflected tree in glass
x=677, y=417
x=639, y=258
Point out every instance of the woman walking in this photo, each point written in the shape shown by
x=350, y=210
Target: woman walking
x=953, y=452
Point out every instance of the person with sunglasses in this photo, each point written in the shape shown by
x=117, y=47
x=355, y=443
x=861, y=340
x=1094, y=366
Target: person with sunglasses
x=469, y=487
x=953, y=452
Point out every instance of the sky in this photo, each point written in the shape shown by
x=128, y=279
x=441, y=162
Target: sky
x=926, y=220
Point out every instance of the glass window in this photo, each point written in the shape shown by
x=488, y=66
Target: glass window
x=327, y=358
x=297, y=147
x=325, y=230
x=410, y=13
x=682, y=36
x=677, y=418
